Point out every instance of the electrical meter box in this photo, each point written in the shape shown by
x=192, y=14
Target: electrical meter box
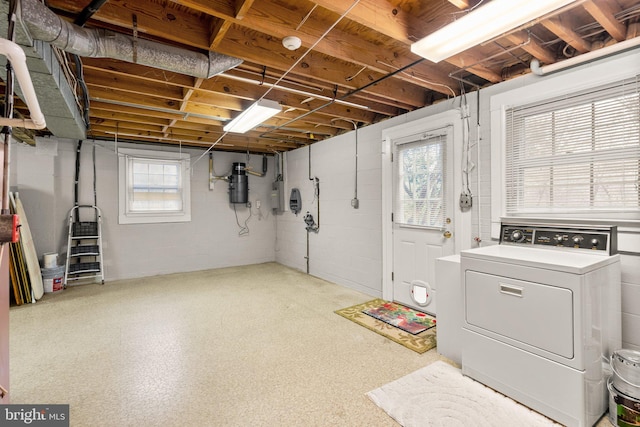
x=295, y=201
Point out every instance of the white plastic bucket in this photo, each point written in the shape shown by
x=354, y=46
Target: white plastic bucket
x=50, y=260
x=52, y=279
x=625, y=365
x=624, y=411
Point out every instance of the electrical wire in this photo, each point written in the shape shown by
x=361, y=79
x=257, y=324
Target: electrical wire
x=419, y=78
x=466, y=130
x=467, y=10
x=244, y=229
x=295, y=64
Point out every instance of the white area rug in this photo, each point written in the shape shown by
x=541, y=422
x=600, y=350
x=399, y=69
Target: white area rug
x=439, y=395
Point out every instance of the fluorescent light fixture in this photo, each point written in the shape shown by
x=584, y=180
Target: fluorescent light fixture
x=485, y=23
x=259, y=111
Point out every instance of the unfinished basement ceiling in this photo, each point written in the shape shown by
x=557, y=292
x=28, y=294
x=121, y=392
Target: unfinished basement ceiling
x=361, y=72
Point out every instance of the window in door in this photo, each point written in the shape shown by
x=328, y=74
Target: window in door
x=420, y=171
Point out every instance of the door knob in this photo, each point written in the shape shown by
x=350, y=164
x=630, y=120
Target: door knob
x=447, y=234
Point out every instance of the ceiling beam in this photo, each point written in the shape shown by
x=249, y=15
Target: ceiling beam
x=242, y=7
x=383, y=17
x=605, y=13
x=562, y=26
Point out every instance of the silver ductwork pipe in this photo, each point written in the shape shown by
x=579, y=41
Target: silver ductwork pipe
x=42, y=24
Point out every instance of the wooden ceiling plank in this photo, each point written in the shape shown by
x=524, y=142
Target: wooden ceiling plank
x=151, y=102
x=218, y=32
x=257, y=53
x=126, y=109
x=253, y=147
x=278, y=20
x=125, y=125
x=140, y=71
x=132, y=85
x=219, y=8
x=152, y=17
x=250, y=88
x=242, y=7
x=562, y=26
x=381, y=16
x=532, y=46
x=225, y=90
x=460, y=4
x=121, y=117
x=317, y=66
x=605, y=13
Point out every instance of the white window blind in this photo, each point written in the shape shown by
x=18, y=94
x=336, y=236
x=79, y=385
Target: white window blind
x=420, y=172
x=154, y=185
x=576, y=154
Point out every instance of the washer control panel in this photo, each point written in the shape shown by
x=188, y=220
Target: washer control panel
x=602, y=239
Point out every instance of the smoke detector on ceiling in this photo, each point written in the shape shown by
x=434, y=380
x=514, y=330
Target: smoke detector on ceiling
x=291, y=42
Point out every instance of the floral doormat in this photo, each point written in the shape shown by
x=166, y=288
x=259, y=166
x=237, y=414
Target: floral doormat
x=420, y=342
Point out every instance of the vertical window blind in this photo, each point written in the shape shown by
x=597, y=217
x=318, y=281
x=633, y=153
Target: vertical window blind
x=420, y=173
x=576, y=154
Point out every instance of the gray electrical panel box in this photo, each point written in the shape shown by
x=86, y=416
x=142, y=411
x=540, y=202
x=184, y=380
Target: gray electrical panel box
x=277, y=196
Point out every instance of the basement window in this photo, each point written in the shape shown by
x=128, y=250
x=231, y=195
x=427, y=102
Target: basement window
x=577, y=154
x=153, y=187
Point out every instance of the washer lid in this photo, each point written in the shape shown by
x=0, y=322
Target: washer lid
x=550, y=259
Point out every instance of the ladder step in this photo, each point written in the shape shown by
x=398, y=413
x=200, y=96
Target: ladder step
x=84, y=241
x=84, y=267
x=85, y=250
x=85, y=229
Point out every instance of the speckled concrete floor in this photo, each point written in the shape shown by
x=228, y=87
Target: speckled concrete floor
x=244, y=346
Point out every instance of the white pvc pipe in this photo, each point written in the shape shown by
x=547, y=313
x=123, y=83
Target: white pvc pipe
x=18, y=60
x=581, y=59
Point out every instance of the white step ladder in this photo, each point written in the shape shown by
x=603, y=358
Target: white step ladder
x=84, y=246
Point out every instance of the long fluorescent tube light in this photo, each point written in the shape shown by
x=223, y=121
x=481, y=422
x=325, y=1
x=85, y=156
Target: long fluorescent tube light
x=485, y=23
x=251, y=117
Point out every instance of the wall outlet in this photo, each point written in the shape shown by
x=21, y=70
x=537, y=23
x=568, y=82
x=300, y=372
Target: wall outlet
x=465, y=201
x=257, y=204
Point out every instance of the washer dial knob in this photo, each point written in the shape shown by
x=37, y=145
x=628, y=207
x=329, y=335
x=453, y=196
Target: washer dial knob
x=595, y=242
x=517, y=236
x=577, y=239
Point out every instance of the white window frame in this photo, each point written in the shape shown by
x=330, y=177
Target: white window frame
x=589, y=76
x=125, y=215
x=439, y=137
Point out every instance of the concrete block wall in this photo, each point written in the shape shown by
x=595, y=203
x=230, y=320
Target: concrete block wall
x=348, y=247
x=210, y=240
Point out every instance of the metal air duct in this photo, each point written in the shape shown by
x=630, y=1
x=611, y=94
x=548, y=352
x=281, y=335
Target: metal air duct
x=42, y=24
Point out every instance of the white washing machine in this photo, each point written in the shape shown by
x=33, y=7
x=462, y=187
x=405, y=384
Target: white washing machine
x=542, y=317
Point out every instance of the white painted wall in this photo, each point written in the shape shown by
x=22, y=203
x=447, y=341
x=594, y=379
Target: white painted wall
x=348, y=248
x=210, y=240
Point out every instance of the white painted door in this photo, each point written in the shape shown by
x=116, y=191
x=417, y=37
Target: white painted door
x=422, y=214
